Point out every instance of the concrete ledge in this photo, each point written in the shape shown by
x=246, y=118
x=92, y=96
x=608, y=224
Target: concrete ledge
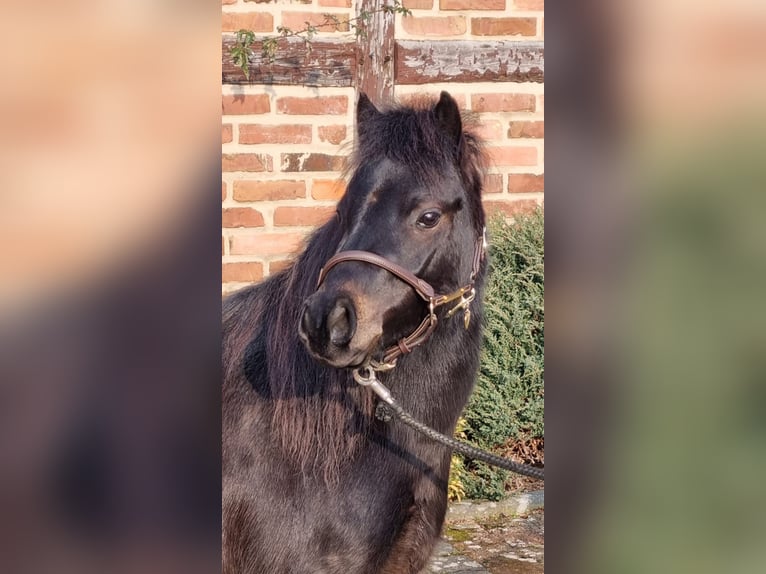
x=516, y=504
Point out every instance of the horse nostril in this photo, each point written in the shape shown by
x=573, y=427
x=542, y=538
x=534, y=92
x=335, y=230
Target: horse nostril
x=341, y=323
x=327, y=320
x=305, y=328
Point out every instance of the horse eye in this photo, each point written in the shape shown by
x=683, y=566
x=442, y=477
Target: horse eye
x=429, y=219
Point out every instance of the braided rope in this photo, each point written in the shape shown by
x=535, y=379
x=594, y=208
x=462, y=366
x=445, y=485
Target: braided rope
x=464, y=448
x=367, y=377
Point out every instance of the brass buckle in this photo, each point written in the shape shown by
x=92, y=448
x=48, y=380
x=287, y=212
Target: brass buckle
x=381, y=367
x=465, y=300
x=444, y=299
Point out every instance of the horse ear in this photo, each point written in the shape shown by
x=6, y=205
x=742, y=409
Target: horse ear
x=365, y=109
x=448, y=115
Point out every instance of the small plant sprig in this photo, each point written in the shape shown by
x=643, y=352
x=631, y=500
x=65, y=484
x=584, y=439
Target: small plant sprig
x=241, y=51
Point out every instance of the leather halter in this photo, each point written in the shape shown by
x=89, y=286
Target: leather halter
x=465, y=294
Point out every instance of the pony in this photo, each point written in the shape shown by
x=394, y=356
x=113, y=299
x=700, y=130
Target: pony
x=313, y=481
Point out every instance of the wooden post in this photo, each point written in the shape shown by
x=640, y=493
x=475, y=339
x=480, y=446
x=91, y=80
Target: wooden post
x=375, y=55
x=333, y=62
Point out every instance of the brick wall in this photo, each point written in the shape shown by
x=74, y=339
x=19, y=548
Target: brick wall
x=283, y=146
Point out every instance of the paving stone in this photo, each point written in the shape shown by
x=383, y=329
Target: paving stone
x=446, y=560
x=486, y=537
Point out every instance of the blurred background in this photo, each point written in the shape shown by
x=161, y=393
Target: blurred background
x=655, y=287
x=109, y=287
x=655, y=283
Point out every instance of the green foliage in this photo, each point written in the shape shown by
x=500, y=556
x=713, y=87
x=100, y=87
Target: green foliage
x=240, y=52
x=455, y=488
x=507, y=404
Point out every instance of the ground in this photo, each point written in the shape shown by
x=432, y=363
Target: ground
x=495, y=538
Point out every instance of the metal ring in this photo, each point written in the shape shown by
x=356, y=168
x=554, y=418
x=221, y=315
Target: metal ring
x=364, y=380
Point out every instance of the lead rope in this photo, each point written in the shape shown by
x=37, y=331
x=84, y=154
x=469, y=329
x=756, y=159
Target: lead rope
x=371, y=380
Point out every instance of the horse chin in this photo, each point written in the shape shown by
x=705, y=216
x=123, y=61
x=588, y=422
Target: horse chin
x=346, y=361
x=343, y=358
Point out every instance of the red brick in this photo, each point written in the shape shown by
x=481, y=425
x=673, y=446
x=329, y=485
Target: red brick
x=490, y=130
x=240, y=104
x=246, y=162
x=525, y=183
x=245, y=272
x=265, y=244
x=255, y=21
x=328, y=189
x=332, y=134
x=279, y=265
x=528, y=4
x=269, y=190
x=223, y=190
x=510, y=208
x=504, y=26
x=292, y=162
x=278, y=1
x=226, y=136
x=493, y=183
x=335, y=3
x=526, y=130
x=503, y=102
x=430, y=98
x=472, y=4
x=260, y=134
x=241, y=217
x=418, y=4
x=541, y=103
x=434, y=25
x=223, y=2
x=289, y=215
x=332, y=105
x=297, y=21
x=512, y=156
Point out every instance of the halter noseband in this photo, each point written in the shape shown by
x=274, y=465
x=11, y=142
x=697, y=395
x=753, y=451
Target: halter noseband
x=466, y=294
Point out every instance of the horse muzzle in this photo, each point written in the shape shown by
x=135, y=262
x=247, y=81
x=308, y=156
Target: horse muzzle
x=328, y=327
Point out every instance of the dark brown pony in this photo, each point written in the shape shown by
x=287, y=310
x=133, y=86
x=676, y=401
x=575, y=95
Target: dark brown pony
x=312, y=481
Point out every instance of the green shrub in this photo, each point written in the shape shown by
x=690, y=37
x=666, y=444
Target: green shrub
x=455, y=488
x=506, y=407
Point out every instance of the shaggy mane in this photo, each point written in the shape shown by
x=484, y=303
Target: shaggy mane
x=320, y=416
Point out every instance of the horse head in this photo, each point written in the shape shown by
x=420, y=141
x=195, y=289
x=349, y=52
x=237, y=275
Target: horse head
x=413, y=206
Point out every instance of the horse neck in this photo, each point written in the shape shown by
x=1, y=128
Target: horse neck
x=435, y=381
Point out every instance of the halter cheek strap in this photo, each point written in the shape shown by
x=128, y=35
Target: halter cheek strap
x=464, y=294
